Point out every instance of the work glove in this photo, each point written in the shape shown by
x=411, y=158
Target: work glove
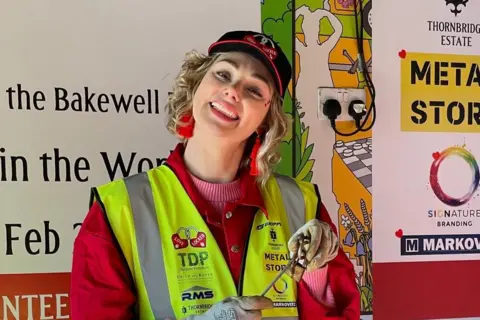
x=323, y=247
x=236, y=308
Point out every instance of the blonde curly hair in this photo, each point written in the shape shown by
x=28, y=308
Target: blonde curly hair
x=179, y=104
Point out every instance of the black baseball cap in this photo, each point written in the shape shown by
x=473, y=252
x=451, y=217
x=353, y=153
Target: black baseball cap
x=261, y=47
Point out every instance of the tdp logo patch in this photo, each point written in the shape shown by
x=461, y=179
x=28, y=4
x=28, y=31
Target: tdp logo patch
x=197, y=293
x=192, y=259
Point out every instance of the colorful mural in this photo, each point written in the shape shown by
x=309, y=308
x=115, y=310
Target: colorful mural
x=296, y=161
x=322, y=44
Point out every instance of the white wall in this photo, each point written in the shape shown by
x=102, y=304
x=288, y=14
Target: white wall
x=112, y=49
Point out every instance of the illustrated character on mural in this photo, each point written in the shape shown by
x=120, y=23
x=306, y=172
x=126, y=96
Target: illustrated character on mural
x=314, y=73
x=353, y=152
x=330, y=46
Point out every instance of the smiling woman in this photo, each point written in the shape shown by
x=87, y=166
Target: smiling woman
x=254, y=90
x=240, y=100
x=235, y=101
x=212, y=225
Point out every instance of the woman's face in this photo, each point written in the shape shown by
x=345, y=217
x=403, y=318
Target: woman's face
x=233, y=98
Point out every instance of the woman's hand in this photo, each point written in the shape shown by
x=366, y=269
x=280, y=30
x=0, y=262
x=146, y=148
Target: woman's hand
x=236, y=308
x=323, y=246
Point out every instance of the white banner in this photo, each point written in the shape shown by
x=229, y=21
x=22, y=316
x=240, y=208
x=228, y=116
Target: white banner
x=427, y=77
x=84, y=85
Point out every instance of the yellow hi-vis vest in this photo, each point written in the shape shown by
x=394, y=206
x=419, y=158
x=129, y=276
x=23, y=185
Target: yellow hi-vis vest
x=174, y=260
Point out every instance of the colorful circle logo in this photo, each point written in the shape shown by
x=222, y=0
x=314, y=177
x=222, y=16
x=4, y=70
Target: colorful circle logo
x=437, y=189
x=281, y=286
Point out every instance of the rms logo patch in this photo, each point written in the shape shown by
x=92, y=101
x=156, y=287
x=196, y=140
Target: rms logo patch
x=197, y=293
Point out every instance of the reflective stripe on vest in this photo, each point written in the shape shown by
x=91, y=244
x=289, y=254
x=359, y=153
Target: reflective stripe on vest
x=292, y=201
x=149, y=243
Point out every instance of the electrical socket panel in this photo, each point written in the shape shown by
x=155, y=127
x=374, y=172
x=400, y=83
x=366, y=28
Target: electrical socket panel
x=344, y=96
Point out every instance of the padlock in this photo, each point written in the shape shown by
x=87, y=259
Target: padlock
x=178, y=242
x=297, y=271
x=200, y=241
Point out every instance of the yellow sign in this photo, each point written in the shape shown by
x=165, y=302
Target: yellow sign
x=440, y=93
x=275, y=262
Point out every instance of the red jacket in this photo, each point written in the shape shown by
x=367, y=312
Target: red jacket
x=102, y=286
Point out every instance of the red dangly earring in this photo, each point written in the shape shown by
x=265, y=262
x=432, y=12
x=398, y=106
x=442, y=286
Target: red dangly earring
x=187, y=130
x=253, y=155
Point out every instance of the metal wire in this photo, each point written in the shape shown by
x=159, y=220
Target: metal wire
x=294, y=262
